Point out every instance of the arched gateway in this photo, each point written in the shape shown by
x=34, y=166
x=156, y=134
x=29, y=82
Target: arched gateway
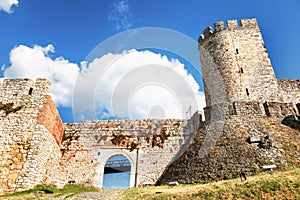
x=117, y=173
x=116, y=164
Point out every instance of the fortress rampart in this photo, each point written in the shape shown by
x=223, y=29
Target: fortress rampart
x=251, y=118
x=36, y=148
x=244, y=100
x=150, y=145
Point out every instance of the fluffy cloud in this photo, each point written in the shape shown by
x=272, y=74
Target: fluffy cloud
x=6, y=5
x=120, y=16
x=36, y=62
x=135, y=85
x=131, y=85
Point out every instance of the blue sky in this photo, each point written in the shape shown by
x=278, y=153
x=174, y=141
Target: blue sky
x=61, y=34
x=120, y=180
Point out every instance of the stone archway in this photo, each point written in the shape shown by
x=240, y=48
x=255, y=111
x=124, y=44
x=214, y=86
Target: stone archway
x=105, y=153
x=117, y=173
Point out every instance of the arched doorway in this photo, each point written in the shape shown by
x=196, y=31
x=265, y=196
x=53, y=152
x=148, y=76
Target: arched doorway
x=117, y=173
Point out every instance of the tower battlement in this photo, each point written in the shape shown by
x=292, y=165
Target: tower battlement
x=237, y=72
x=230, y=24
x=245, y=103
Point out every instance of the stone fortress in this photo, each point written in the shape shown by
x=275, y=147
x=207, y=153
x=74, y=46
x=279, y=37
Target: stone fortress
x=251, y=120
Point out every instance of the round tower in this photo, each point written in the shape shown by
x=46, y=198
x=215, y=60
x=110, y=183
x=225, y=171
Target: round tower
x=235, y=64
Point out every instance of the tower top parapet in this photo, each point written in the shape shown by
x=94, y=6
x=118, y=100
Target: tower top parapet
x=230, y=25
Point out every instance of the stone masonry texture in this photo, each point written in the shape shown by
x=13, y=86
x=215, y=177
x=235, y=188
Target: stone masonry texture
x=252, y=119
x=28, y=150
x=158, y=144
x=244, y=100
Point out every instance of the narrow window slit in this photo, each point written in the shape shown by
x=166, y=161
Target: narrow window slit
x=30, y=91
x=236, y=51
x=247, y=91
x=266, y=107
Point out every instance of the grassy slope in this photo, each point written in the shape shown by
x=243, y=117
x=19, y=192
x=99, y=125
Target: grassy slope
x=279, y=185
x=47, y=192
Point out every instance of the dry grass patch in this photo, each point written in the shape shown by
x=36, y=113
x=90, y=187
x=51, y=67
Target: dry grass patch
x=279, y=185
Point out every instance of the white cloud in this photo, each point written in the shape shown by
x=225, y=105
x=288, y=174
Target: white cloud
x=6, y=5
x=132, y=85
x=35, y=62
x=135, y=85
x=120, y=16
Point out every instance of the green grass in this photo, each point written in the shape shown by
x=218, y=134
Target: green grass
x=283, y=184
x=280, y=185
x=45, y=191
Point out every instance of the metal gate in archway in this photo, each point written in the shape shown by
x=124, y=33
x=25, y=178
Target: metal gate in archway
x=117, y=173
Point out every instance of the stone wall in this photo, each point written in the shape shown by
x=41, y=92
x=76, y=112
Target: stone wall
x=276, y=109
x=247, y=108
x=41, y=161
x=150, y=145
x=50, y=118
x=216, y=112
x=251, y=117
x=289, y=90
x=222, y=153
x=24, y=143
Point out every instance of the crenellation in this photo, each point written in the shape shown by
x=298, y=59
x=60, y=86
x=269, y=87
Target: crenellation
x=232, y=24
x=207, y=32
x=236, y=66
x=219, y=26
x=249, y=23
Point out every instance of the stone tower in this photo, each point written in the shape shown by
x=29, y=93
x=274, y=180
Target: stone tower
x=30, y=134
x=235, y=65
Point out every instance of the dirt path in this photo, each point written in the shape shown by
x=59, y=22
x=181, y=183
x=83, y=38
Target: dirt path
x=102, y=194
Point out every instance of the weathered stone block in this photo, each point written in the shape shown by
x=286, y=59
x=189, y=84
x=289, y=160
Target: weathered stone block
x=254, y=139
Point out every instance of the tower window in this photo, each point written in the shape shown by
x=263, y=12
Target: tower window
x=266, y=107
x=30, y=91
x=242, y=70
x=247, y=91
x=236, y=51
x=298, y=107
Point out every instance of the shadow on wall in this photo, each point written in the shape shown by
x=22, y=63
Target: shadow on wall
x=292, y=122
